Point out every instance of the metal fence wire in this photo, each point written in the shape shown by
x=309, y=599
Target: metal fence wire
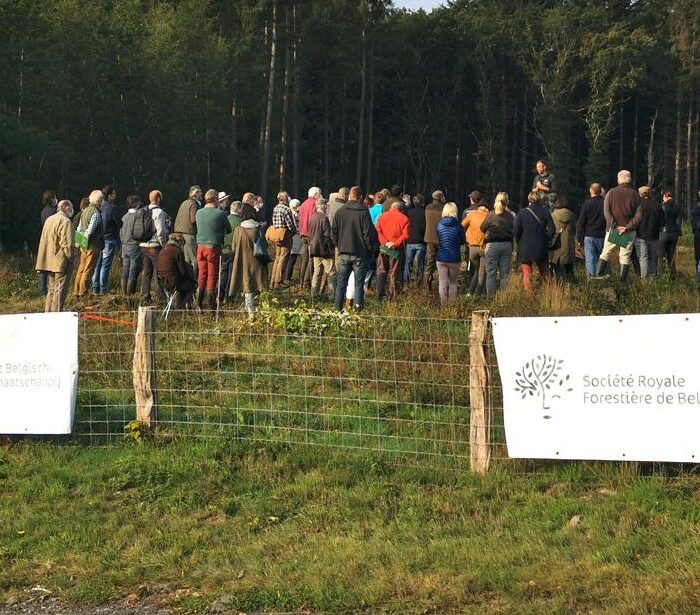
x=382, y=383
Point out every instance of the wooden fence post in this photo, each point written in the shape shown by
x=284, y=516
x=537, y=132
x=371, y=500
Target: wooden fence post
x=145, y=366
x=480, y=413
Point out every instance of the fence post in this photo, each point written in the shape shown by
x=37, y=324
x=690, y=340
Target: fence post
x=480, y=416
x=145, y=366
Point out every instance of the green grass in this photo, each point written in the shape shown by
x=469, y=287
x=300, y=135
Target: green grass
x=358, y=504
x=283, y=528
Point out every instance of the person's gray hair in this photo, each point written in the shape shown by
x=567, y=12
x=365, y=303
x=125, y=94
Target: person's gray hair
x=235, y=207
x=438, y=196
x=96, y=197
x=282, y=197
x=314, y=192
x=194, y=190
x=624, y=177
x=65, y=205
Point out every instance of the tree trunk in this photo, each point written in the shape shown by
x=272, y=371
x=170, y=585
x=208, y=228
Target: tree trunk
x=270, y=100
x=621, y=164
x=677, y=156
x=326, y=135
x=688, y=156
x=651, y=174
x=234, y=132
x=635, y=143
x=285, y=110
x=370, y=134
x=343, y=115
x=361, y=126
x=523, y=146
x=296, y=146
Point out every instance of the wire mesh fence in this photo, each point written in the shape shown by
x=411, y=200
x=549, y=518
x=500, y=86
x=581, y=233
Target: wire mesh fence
x=387, y=384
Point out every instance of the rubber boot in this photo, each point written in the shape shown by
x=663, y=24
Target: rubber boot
x=210, y=300
x=602, y=269
x=624, y=272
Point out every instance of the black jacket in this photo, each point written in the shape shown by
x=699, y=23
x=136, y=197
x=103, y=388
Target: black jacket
x=695, y=219
x=111, y=220
x=416, y=230
x=591, y=222
x=651, y=220
x=498, y=228
x=320, y=243
x=533, y=233
x=353, y=232
x=672, y=214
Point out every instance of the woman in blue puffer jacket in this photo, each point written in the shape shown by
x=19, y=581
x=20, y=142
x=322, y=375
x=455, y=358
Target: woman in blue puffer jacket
x=449, y=256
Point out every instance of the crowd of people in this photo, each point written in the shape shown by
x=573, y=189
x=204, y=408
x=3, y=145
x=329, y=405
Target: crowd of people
x=217, y=250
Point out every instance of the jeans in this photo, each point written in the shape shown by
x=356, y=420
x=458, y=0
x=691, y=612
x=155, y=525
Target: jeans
x=646, y=251
x=414, y=250
x=132, y=261
x=100, y=279
x=592, y=247
x=346, y=264
x=477, y=266
x=448, y=275
x=497, y=256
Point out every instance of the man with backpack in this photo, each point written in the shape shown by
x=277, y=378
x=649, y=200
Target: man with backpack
x=151, y=247
x=137, y=226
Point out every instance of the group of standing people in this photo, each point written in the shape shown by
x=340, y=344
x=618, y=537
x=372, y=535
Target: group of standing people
x=216, y=250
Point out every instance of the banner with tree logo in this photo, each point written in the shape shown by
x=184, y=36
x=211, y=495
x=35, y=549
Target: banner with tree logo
x=604, y=387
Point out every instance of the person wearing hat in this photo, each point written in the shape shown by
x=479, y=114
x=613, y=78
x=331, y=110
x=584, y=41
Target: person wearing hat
x=152, y=247
x=186, y=224
x=212, y=226
x=224, y=202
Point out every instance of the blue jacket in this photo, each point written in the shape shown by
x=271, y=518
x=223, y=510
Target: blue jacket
x=533, y=234
x=450, y=239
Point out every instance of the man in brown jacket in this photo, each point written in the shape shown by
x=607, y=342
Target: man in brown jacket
x=55, y=255
x=433, y=213
x=621, y=210
x=186, y=225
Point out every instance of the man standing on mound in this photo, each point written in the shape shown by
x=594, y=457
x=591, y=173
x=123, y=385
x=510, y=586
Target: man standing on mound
x=621, y=209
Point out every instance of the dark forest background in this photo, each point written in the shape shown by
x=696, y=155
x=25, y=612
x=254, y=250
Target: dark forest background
x=257, y=94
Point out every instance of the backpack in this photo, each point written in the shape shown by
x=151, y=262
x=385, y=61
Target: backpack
x=144, y=228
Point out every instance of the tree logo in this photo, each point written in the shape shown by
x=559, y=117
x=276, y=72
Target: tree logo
x=543, y=377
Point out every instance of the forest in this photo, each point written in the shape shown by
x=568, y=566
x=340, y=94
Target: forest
x=262, y=94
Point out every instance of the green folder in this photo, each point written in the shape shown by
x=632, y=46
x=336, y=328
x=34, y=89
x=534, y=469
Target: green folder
x=619, y=239
x=390, y=252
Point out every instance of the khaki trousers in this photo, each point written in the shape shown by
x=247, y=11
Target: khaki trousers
x=57, y=289
x=88, y=260
x=322, y=265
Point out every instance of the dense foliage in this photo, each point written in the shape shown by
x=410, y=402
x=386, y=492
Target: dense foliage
x=254, y=94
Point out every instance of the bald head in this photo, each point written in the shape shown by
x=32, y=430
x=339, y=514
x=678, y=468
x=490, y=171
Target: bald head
x=595, y=190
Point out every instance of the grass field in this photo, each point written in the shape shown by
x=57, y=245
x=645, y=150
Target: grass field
x=355, y=526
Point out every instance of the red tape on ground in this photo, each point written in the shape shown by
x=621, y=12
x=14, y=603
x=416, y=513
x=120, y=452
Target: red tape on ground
x=126, y=323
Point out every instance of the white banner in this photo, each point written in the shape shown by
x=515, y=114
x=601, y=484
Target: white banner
x=38, y=372
x=603, y=387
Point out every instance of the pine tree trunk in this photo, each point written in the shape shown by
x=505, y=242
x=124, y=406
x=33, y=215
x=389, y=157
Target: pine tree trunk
x=296, y=146
x=677, y=155
x=361, y=125
x=370, y=134
x=635, y=143
x=270, y=99
x=285, y=109
x=621, y=164
x=650, y=151
x=523, y=145
x=688, y=156
x=326, y=135
x=343, y=116
x=234, y=132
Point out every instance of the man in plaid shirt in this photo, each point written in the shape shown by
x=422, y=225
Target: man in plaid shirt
x=280, y=234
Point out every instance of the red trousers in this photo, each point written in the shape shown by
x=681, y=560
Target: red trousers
x=526, y=268
x=208, y=267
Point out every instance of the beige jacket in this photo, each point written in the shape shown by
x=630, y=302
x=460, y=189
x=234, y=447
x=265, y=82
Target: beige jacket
x=56, y=244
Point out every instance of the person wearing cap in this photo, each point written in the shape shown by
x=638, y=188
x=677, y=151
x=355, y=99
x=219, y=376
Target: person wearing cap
x=186, y=225
x=90, y=226
x=212, y=226
x=55, y=255
x=234, y=220
x=280, y=235
x=152, y=247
